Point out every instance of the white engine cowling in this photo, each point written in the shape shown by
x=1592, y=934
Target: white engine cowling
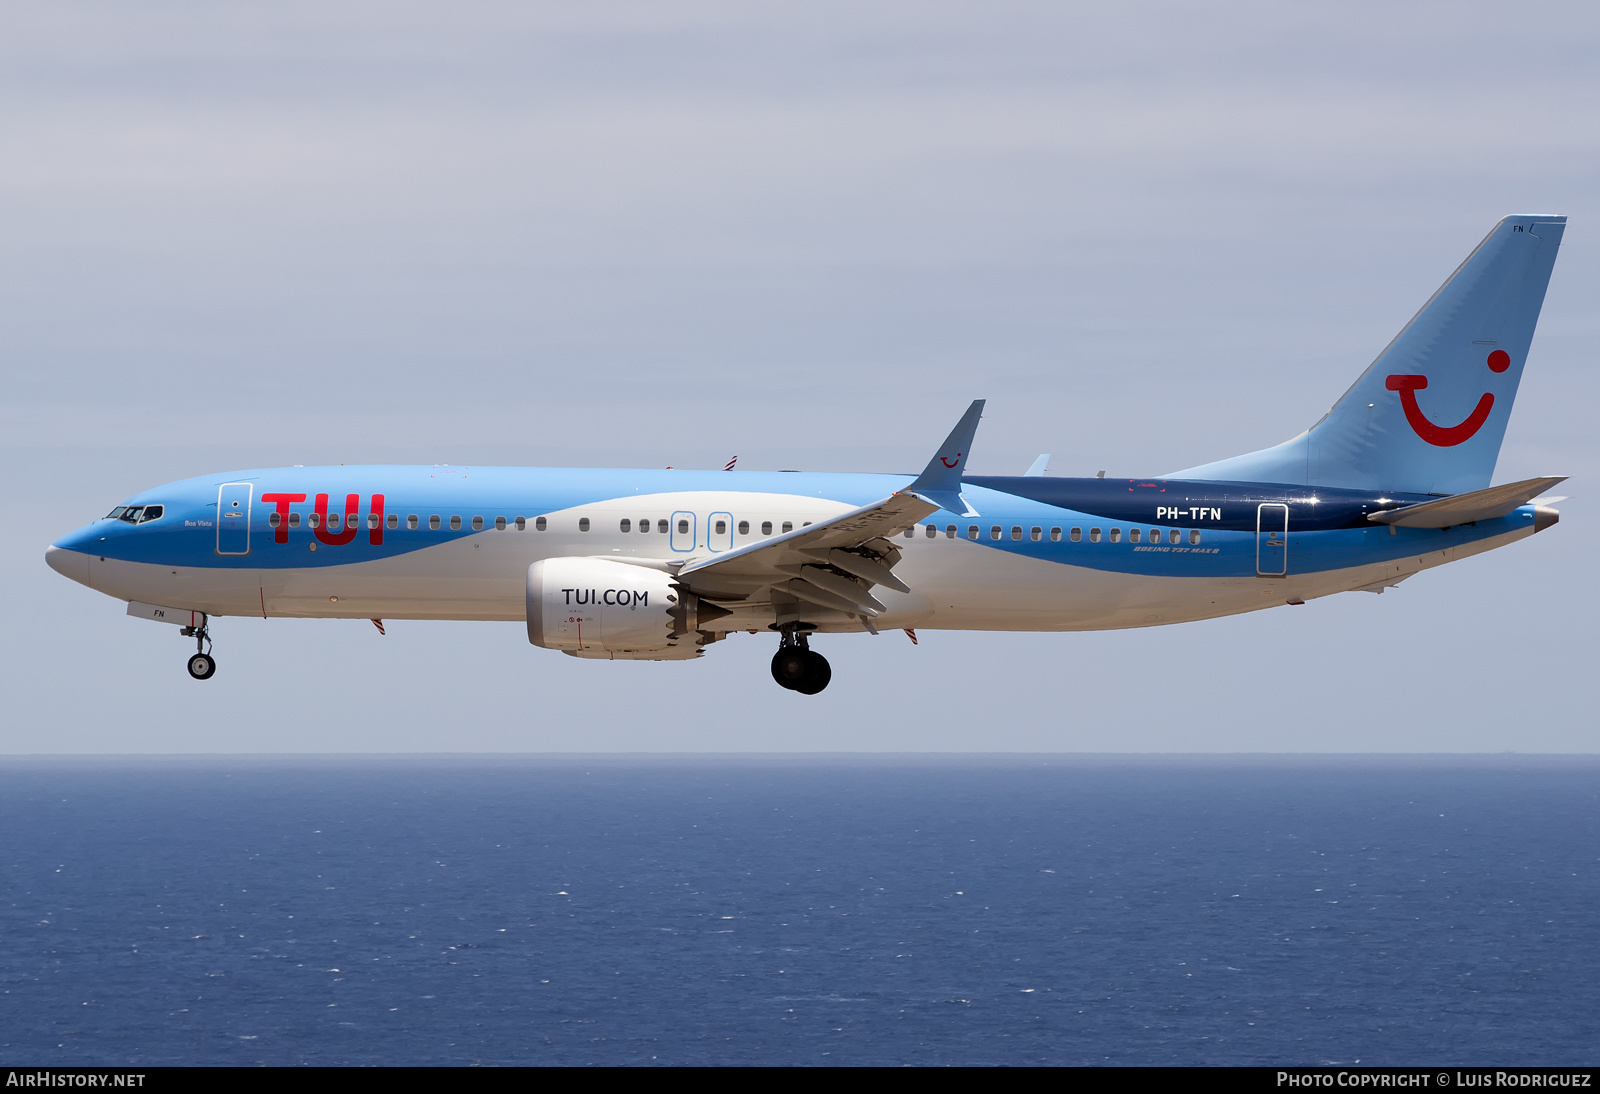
x=595, y=604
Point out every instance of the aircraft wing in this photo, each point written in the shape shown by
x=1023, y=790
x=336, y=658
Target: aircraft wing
x=835, y=564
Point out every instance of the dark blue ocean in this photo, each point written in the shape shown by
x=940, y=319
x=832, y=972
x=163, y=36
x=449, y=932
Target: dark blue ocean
x=800, y=910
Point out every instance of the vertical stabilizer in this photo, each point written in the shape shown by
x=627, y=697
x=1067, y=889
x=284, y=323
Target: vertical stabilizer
x=1428, y=415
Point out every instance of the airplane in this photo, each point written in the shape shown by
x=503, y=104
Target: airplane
x=660, y=564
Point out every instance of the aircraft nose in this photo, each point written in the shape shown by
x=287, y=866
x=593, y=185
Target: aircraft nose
x=68, y=563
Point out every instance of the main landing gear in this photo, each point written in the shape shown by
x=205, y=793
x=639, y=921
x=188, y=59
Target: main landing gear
x=202, y=665
x=797, y=667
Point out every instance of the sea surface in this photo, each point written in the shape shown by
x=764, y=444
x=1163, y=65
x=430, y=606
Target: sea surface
x=800, y=910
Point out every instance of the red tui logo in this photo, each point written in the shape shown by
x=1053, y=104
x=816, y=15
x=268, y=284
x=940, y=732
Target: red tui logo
x=1445, y=436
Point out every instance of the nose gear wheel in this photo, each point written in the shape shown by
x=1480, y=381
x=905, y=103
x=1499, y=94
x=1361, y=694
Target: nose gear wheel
x=202, y=666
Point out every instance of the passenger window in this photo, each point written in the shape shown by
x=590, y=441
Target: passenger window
x=661, y=525
x=411, y=522
x=722, y=527
x=1116, y=535
x=933, y=530
x=1016, y=531
x=455, y=524
x=272, y=521
x=972, y=531
x=805, y=524
x=1077, y=535
x=1173, y=535
x=477, y=524
x=994, y=531
x=644, y=524
x=1094, y=535
x=499, y=524
x=583, y=524
x=1155, y=535
x=539, y=524
x=788, y=526
x=1133, y=535
x=1194, y=535
x=744, y=528
x=316, y=521
x=949, y=531
x=766, y=527
x=626, y=525
x=372, y=520
x=683, y=527
x=1036, y=535
x=1055, y=535
x=294, y=520
x=393, y=520
x=522, y=524
x=333, y=520
x=433, y=522
x=911, y=531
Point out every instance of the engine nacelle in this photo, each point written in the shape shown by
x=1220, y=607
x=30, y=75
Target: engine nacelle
x=595, y=604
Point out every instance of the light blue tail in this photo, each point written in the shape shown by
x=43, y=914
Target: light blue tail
x=1428, y=415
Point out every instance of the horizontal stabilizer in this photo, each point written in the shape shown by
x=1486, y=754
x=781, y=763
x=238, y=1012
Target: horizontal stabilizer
x=1496, y=501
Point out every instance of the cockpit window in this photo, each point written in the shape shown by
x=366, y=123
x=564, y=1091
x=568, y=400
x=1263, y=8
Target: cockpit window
x=136, y=514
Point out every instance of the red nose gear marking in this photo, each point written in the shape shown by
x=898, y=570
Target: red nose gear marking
x=1440, y=435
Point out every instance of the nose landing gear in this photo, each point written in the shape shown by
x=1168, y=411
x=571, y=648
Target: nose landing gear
x=202, y=665
x=797, y=667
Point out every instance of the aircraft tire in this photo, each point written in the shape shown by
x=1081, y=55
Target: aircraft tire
x=818, y=673
x=790, y=668
x=202, y=666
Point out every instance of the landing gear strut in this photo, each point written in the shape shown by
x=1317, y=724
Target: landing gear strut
x=202, y=665
x=797, y=667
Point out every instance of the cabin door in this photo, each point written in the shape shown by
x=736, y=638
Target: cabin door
x=1272, y=539
x=233, y=518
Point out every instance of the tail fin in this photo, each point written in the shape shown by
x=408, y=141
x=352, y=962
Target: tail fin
x=1463, y=352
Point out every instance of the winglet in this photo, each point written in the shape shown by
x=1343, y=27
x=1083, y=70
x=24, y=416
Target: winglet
x=940, y=482
x=1040, y=466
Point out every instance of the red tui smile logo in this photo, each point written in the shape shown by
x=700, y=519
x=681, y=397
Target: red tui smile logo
x=1445, y=436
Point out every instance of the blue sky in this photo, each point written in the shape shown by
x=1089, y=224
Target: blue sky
x=1150, y=235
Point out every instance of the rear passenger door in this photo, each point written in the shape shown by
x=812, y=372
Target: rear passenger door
x=1272, y=539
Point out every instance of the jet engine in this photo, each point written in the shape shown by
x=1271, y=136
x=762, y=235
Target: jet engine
x=595, y=606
